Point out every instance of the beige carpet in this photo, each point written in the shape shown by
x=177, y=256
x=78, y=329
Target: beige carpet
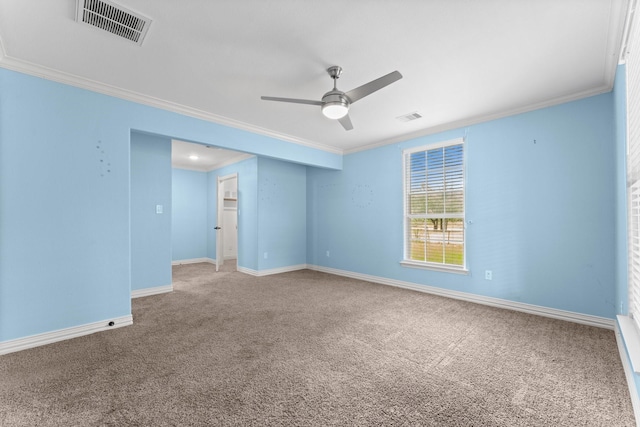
x=312, y=349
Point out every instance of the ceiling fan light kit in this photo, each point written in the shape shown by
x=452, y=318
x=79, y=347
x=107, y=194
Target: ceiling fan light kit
x=334, y=109
x=335, y=103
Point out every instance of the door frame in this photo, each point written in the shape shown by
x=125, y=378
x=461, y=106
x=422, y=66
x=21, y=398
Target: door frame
x=220, y=227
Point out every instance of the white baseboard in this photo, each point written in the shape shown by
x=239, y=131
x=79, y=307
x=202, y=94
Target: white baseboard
x=259, y=273
x=628, y=372
x=570, y=316
x=151, y=291
x=246, y=270
x=193, y=261
x=63, y=334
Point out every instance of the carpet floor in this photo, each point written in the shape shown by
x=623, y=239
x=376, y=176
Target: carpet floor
x=311, y=349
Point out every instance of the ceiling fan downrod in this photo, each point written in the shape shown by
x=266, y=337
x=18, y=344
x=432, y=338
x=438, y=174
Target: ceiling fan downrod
x=335, y=73
x=335, y=104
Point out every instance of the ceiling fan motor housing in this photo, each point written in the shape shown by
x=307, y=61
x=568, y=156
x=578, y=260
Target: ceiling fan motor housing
x=335, y=104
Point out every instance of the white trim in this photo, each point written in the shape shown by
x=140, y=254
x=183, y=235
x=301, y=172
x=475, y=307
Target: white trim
x=138, y=293
x=246, y=270
x=33, y=69
x=626, y=34
x=223, y=178
x=193, y=261
x=483, y=118
x=628, y=372
x=618, y=13
x=32, y=341
x=259, y=273
x=434, y=146
x=631, y=340
x=3, y=52
x=406, y=216
x=570, y=316
x=445, y=268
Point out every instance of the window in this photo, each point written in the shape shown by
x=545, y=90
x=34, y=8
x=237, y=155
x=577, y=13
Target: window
x=630, y=325
x=434, y=206
x=633, y=171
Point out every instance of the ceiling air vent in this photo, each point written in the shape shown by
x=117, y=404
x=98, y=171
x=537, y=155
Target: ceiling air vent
x=408, y=117
x=113, y=18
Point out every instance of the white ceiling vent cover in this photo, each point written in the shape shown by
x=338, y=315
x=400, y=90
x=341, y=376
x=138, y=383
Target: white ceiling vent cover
x=113, y=18
x=409, y=117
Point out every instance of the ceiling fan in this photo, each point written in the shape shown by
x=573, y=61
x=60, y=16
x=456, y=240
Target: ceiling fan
x=335, y=103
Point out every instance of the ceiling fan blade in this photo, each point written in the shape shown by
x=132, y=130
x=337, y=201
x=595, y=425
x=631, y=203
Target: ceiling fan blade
x=295, y=101
x=368, y=88
x=346, y=122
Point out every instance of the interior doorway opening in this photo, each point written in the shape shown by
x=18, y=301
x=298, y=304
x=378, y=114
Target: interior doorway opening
x=227, y=219
x=196, y=171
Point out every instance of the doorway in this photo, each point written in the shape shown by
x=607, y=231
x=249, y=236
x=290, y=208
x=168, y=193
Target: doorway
x=227, y=219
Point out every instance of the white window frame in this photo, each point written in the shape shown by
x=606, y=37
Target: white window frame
x=630, y=324
x=406, y=262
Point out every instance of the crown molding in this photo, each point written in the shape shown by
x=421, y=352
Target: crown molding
x=626, y=33
x=94, y=86
x=36, y=70
x=487, y=117
x=3, y=52
x=620, y=16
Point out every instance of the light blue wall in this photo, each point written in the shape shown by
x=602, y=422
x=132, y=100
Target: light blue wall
x=190, y=194
x=540, y=198
x=150, y=231
x=65, y=254
x=271, y=213
x=247, y=171
x=544, y=214
x=282, y=222
x=64, y=208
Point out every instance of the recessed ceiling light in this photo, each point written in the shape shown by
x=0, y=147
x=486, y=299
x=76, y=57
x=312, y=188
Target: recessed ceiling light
x=193, y=157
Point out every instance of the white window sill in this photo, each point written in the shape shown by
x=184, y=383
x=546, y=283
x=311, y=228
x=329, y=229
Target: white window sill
x=434, y=267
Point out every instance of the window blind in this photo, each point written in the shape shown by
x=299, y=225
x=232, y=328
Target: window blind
x=634, y=251
x=633, y=169
x=434, y=204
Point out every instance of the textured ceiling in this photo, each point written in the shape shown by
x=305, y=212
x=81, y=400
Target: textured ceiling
x=462, y=61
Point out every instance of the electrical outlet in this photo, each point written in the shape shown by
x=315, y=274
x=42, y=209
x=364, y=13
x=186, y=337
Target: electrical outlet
x=266, y=255
x=488, y=275
x=328, y=254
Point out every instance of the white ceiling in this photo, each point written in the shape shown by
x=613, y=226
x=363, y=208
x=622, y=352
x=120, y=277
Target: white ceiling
x=208, y=157
x=463, y=61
